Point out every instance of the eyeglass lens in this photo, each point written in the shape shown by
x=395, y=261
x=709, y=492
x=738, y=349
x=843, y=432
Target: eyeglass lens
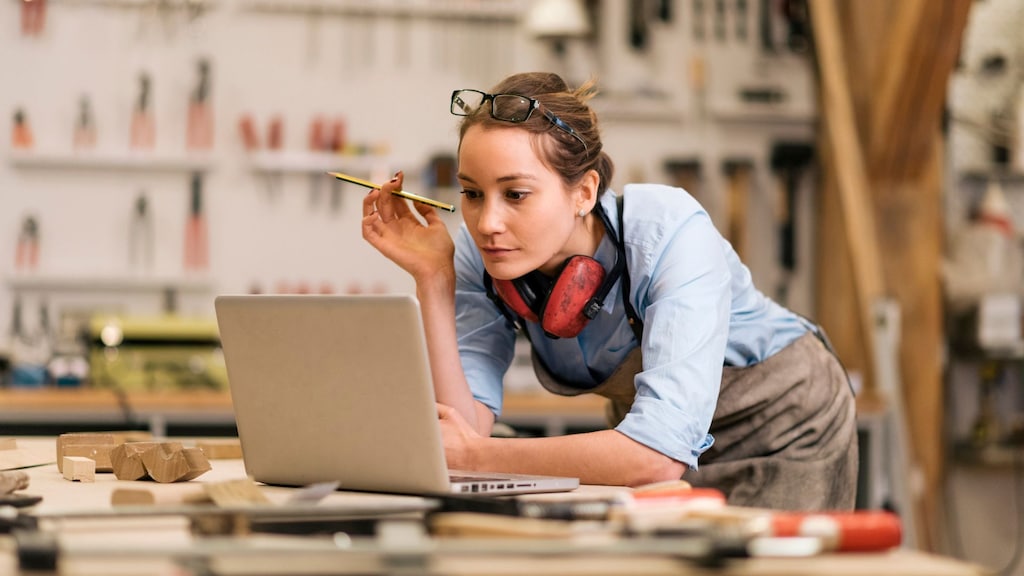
x=511, y=108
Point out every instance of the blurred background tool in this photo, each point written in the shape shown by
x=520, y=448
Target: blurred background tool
x=21, y=132
x=196, y=248
x=27, y=253
x=85, y=129
x=247, y=129
x=738, y=172
x=199, y=129
x=143, y=129
x=275, y=142
x=789, y=160
x=315, y=145
x=337, y=145
x=140, y=235
x=33, y=17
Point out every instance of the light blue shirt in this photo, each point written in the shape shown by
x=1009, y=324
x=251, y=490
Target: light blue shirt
x=698, y=304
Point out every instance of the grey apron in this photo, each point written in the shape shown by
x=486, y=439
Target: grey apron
x=785, y=428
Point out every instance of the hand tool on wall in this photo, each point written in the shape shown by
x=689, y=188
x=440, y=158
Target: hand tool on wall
x=315, y=145
x=336, y=145
x=21, y=132
x=789, y=160
x=85, y=129
x=797, y=20
x=741, y=21
x=247, y=130
x=275, y=142
x=199, y=130
x=665, y=11
x=33, y=17
x=638, y=31
x=196, y=246
x=143, y=130
x=698, y=20
x=720, y=20
x=766, y=25
x=738, y=175
x=686, y=174
x=140, y=235
x=27, y=252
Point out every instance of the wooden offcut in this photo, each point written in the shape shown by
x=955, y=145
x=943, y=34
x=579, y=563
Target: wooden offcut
x=221, y=449
x=159, y=461
x=126, y=460
x=78, y=469
x=96, y=446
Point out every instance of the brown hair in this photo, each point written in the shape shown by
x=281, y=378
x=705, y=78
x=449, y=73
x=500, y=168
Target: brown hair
x=560, y=151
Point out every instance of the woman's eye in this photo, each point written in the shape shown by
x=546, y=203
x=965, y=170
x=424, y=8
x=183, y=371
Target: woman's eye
x=515, y=195
x=471, y=194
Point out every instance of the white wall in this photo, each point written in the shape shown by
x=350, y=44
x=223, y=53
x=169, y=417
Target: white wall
x=389, y=77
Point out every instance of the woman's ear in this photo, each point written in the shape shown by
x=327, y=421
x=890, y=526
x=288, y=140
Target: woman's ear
x=586, y=190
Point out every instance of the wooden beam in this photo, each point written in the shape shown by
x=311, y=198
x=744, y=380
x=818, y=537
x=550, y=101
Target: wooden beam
x=913, y=76
x=847, y=162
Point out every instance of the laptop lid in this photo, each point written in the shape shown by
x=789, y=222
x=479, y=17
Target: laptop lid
x=338, y=388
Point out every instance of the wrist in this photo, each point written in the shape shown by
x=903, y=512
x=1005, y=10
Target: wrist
x=439, y=283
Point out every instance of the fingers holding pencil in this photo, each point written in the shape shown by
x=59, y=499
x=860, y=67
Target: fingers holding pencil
x=395, y=190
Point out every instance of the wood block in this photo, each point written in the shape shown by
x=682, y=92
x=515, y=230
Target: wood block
x=8, y=444
x=79, y=468
x=197, y=464
x=231, y=493
x=165, y=462
x=96, y=446
x=221, y=449
x=12, y=482
x=126, y=460
x=149, y=497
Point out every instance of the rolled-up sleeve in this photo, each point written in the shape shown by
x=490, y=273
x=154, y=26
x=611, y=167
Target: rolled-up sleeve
x=685, y=302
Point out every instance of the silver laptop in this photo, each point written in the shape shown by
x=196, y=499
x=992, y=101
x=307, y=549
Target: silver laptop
x=338, y=388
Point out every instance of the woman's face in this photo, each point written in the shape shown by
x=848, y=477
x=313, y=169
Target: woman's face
x=518, y=210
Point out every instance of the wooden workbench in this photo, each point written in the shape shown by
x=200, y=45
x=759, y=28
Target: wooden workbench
x=157, y=411
x=144, y=546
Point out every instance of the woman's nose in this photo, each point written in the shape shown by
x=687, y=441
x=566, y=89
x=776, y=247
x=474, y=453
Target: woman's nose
x=491, y=219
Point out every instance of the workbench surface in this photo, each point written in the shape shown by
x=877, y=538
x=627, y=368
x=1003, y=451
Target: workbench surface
x=145, y=545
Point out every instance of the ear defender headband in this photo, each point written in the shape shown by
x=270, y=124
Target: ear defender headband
x=565, y=304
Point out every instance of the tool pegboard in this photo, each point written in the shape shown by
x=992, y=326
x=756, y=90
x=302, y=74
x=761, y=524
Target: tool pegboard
x=713, y=84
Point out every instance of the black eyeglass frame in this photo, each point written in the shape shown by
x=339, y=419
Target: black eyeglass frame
x=534, y=104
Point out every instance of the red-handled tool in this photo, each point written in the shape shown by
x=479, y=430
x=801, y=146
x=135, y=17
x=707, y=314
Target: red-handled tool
x=858, y=531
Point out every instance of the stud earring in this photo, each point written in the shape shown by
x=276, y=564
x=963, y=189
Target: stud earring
x=582, y=212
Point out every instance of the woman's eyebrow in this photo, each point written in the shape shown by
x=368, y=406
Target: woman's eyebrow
x=516, y=176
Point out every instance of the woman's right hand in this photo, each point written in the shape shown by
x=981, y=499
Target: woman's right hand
x=424, y=249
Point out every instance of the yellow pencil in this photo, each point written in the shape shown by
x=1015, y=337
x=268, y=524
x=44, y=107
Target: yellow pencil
x=402, y=193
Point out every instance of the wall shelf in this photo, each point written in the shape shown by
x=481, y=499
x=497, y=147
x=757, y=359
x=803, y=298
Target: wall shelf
x=316, y=163
x=761, y=114
x=120, y=161
x=112, y=283
x=492, y=10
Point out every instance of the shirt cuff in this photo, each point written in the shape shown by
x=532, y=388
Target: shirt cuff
x=660, y=427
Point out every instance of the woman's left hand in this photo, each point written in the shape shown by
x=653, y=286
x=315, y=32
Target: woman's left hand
x=460, y=439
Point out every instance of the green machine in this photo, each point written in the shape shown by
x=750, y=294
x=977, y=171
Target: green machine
x=161, y=353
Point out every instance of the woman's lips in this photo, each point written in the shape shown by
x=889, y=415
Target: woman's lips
x=495, y=251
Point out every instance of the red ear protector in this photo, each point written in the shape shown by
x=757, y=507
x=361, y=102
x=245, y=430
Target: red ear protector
x=565, y=304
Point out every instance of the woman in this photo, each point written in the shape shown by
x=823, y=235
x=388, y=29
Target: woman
x=634, y=297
